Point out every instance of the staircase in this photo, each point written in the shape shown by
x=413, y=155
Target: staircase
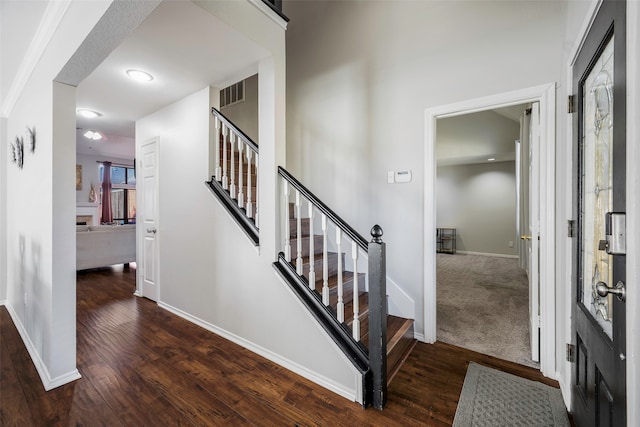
x=338, y=275
x=400, y=340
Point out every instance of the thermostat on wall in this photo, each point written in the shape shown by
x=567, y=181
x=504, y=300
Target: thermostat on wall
x=402, y=176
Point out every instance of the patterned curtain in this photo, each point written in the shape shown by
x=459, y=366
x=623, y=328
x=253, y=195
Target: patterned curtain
x=106, y=193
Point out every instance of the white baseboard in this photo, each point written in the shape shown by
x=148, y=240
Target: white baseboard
x=487, y=254
x=47, y=382
x=267, y=354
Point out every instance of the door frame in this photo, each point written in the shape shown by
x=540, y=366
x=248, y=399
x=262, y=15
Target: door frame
x=545, y=95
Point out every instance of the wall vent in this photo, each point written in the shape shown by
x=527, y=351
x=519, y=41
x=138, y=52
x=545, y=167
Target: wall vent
x=232, y=94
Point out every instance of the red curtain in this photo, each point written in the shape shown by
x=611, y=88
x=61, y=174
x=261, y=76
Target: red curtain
x=106, y=193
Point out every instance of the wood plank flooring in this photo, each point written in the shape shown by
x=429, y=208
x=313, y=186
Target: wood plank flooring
x=143, y=366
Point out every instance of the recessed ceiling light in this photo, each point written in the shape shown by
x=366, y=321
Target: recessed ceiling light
x=89, y=114
x=139, y=75
x=491, y=159
x=92, y=134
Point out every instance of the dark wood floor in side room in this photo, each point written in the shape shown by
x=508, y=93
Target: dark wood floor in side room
x=143, y=366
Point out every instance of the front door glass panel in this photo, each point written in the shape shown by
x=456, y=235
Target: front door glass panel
x=597, y=184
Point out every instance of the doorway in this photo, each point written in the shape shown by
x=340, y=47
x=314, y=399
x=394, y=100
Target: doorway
x=483, y=297
x=545, y=96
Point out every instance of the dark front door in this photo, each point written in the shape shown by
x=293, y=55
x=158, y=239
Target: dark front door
x=599, y=309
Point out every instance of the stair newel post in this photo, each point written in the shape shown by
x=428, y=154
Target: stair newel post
x=312, y=270
x=287, y=220
x=240, y=163
x=378, y=316
x=356, y=293
x=340, y=304
x=299, y=268
x=225, y=182
x=232, y=143
x=218, y=170
x=325, y=263
x=249, y=205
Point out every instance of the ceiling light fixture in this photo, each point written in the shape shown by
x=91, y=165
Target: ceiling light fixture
x=92, y=134
x=89, y=114
x=139, y=75
x=491, y=159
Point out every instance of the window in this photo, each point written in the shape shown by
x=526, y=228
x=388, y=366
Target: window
x=123, y=193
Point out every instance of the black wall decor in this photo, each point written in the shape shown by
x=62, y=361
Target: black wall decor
x=31, y=134
x=17, y=147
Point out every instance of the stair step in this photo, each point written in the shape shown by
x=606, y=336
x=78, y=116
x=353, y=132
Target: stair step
x=317, y=245
x=332, y=264
x=304, y=227
x=400, y=343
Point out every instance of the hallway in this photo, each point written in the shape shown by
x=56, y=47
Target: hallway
x=142, y=365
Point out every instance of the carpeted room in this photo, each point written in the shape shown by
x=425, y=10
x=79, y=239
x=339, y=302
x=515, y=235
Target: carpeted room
x=482, y=287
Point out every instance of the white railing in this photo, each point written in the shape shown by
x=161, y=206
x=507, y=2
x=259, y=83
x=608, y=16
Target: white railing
x=339, y=255
x=235, y=172
x=352, y=288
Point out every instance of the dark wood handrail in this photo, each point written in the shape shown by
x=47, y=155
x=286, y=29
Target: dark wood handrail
x=339, y=222
x=233, y=127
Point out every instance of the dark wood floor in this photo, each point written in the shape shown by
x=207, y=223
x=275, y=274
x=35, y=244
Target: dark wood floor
x=143, y=366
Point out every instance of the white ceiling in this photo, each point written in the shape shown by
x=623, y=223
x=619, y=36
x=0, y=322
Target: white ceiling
x=184, y=47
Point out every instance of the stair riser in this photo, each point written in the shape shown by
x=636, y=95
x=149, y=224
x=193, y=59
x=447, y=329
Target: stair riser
x=317, y=246
x=332, y=264
x=304, y=227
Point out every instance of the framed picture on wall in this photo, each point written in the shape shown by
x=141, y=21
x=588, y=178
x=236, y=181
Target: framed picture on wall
x=78, y=177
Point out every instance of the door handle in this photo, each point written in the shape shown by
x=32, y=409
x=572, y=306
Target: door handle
x=152, y=230
x=525, y=237
x=620, y=291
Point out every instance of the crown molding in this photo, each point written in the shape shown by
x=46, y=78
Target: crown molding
x=48, y=25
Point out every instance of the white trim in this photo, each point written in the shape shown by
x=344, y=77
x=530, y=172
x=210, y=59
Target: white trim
x=487, y=254
x=267, y=354
x=269, y=13
x=48, y=382
x=633, y=214
x=546, y=96
x=400, y=304
x=48, y=25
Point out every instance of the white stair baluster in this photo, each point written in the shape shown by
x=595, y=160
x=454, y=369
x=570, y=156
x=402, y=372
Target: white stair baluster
x=225, y=183
x=325, y=264
x=356, y=293
x=240, y=162
x=287, y=221
x=299, y=268
x=312, y=271
x=218, y=170
x=249, y=205
x=340, y=305
x=256, y=213
x=232, y=144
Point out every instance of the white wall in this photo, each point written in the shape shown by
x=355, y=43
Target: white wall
x=40, y=255
x=210, y=272
x=245, y=114
x=484, y=133
x=360, y=76
x=480, y=201
x=4, y=163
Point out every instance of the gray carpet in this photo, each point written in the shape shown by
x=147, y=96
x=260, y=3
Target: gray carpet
x=492, y=398
x=483, y=305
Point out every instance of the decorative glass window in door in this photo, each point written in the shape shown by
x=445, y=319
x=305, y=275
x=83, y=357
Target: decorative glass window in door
x=597, y=182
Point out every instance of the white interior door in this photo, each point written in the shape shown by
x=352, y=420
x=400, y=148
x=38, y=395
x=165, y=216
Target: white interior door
x=148, y=213
x=533, y=235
